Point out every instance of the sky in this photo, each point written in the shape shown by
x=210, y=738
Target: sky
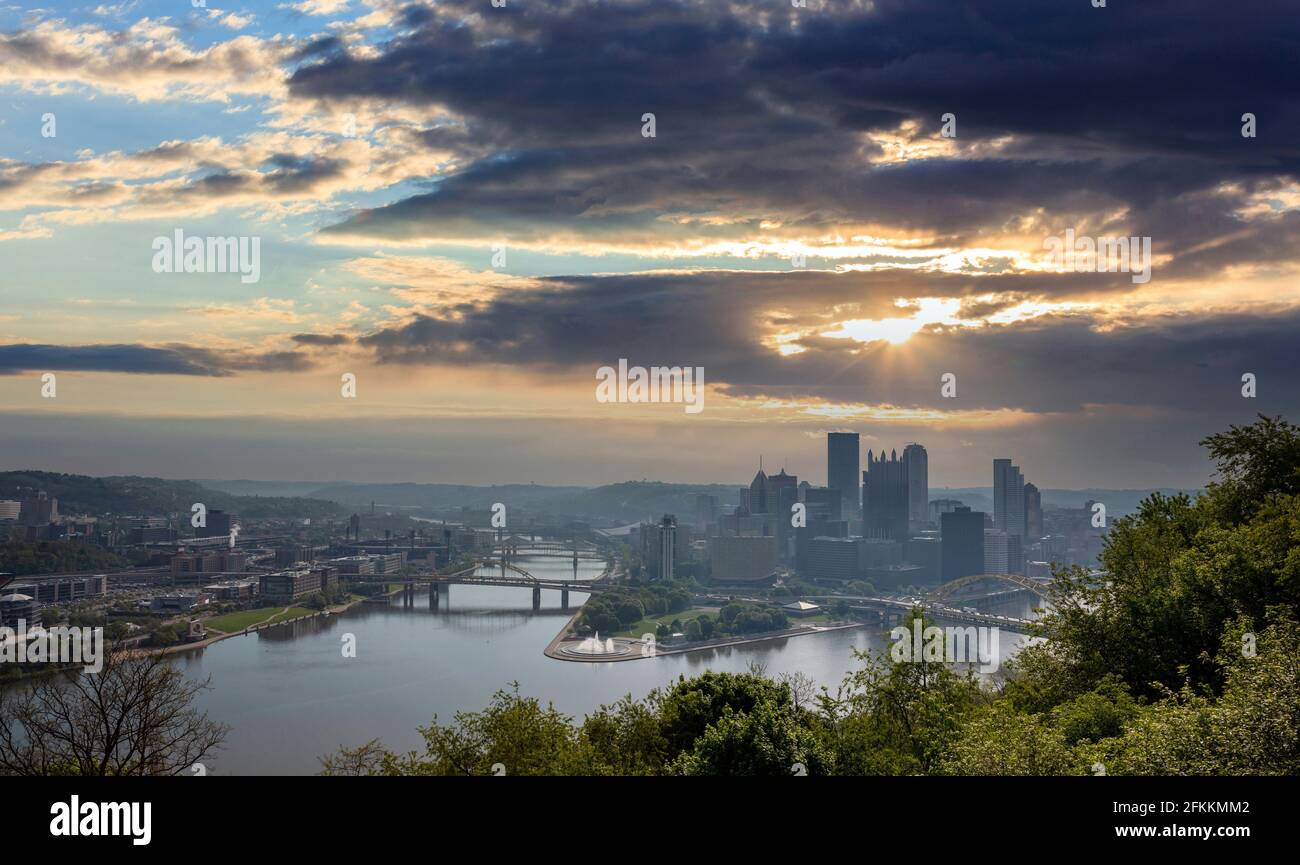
x=846, y=214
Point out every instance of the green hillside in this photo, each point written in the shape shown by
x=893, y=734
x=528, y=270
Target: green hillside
x=81, y=494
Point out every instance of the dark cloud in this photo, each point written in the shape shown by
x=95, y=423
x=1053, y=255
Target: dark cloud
x=296, y=175
x=725, y=321
x=761, y=110
x=321, y=339
x=141, y=359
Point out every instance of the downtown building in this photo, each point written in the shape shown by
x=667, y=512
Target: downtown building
x=962, y=544
x=1033, y=513
x=742, y=558
x=885, y=497
x=1008, y=498
x=823, y=519
x=660, y=551
x=219, y=525
x=842, y=466
x=39, y=510
x=917, y=462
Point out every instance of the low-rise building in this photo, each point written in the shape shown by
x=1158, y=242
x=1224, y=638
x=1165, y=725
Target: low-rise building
x=388, y=563
x=233, y=590
x=288, y=556
x=15, y=607
x=177, y=602
x=801, y=608
x=285, y=587
x=65, y=590
x=354, y=566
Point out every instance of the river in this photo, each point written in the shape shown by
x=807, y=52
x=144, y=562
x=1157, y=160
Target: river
x=291, y=696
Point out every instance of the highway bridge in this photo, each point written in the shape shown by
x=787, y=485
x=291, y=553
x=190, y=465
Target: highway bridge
x=895, y=611
x=935, y=602
x=518, y=547
x=1020, y=582
x=470, y=576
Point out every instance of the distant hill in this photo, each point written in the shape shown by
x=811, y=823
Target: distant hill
x=81, y=494
x=624, y=502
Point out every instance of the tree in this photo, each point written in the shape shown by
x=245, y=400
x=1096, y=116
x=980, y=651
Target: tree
x=625, y=739
x=514, y=735
x=134, y=717
x=691, y=705
x=1177, y=572
x=1002, y=741
x=630, y=611
x=1252, y=729
x=768, y=740
x=898, y=717
x=1255, y=462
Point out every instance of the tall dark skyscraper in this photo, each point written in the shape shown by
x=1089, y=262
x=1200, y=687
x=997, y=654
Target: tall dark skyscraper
x=1033, y=513
x=842, y=467
x=1008, y=498
x=885, y=497
x=962, y=544
x=756, y=500
x=783, y=491
x=918, y=486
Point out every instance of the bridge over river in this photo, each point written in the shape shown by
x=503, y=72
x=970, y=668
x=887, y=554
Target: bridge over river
x=894, y=610
x=511, y=573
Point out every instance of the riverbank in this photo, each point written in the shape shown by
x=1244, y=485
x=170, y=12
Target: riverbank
x=562, y=644
x=260, y=626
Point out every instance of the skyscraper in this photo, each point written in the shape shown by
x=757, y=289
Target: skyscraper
x=995, y=551
x=962, y=544
x=706, y=510
x=842, y=467
x=659, y=548
x=918, y=485
x=757, y=499
x=1033, y=513
x=40, y=509
x=885, y=491
x=783, y=493
x=1008, y=498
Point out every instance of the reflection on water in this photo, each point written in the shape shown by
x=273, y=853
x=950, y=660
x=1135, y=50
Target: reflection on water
x=290, y=695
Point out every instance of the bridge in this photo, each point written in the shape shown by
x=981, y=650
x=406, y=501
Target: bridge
x=898, y=611
x=942, y=592
x=515, y=546
x=522, y=579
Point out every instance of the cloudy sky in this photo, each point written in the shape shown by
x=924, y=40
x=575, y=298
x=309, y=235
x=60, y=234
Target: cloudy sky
x=460, y=205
